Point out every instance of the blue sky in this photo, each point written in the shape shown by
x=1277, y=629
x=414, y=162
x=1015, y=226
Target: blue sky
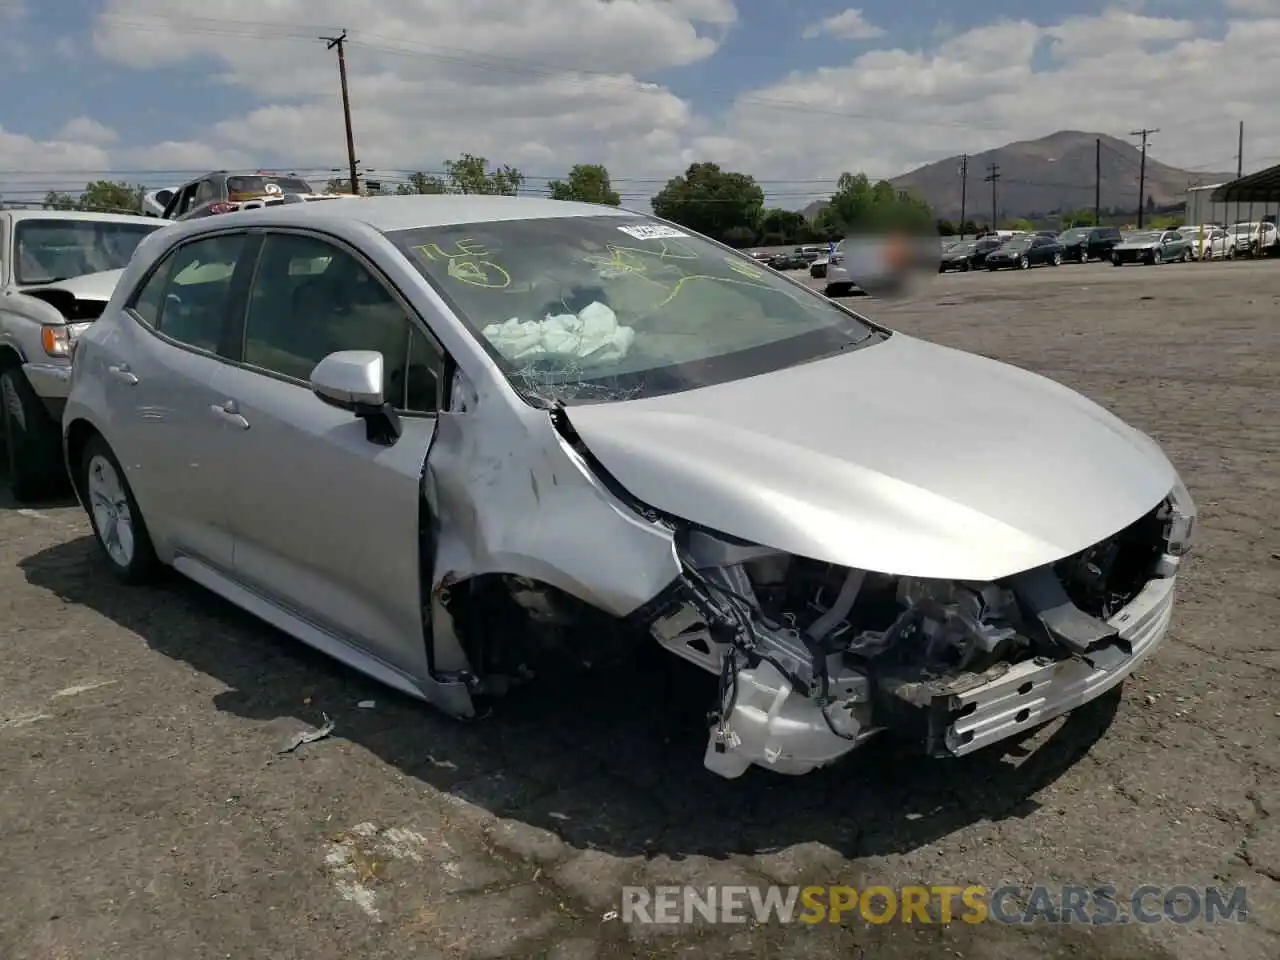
x=238, y=92
x=766, y=45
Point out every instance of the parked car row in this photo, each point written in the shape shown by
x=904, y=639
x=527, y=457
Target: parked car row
x=1021, y=251
x=401, y=430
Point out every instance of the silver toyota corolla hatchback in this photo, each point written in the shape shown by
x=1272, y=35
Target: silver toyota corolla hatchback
x=453, y=441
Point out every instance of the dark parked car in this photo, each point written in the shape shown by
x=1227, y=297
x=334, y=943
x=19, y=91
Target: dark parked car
x=978, y=259
x=1051, y=234
x=959, y=256
x=788, y=261
x=1083, y=244
x=1022, y=253
x=220, y=192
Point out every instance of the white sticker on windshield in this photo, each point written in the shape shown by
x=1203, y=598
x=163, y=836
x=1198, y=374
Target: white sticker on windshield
x=652, y=231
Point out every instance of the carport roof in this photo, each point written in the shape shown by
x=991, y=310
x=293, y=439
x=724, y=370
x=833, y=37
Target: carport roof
x=1260, y=187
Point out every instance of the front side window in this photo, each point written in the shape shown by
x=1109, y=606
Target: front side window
x=310, y=299
x=197, y=299
x=47, y=250
x=583, y=309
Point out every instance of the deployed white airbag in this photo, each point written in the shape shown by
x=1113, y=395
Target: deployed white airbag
x=593, y=333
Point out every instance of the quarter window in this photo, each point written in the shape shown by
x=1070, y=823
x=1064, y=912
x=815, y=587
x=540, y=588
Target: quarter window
x=197, y=294
x=311, y=299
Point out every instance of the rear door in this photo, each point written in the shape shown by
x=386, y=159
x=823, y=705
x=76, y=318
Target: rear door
x=326, y=522
x=159, y=373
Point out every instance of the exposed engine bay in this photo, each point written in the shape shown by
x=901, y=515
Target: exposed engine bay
x=814, y=659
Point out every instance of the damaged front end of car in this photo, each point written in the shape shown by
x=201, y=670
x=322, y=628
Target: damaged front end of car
x=814, y=659
x=559, y=561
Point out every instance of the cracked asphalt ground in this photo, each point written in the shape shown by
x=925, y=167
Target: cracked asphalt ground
x=146, y=811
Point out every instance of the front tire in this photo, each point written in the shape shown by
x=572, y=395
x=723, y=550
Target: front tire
x=117, y=522
x=1024, y=264
x=32, y=441
x=1057, y=259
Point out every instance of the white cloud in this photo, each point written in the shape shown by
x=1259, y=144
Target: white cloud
x=30, y=167
x=87, y=130
x=537, y=83
x=892, y=109
x=848, y=24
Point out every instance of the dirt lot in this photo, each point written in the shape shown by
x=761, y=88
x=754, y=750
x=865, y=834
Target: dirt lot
x=146, y=811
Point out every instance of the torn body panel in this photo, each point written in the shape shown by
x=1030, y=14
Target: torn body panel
x=510, y=497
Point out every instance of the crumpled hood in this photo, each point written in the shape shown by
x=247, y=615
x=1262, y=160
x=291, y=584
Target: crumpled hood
x=904, y=457
x=1137, y=245
x=90, y=286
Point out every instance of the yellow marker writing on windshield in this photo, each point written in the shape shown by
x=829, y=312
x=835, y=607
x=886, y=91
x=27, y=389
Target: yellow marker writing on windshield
x=479, y=273
x=463, y=248
x=737, y=266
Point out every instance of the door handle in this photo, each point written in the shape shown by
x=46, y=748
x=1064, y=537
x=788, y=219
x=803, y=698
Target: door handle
x=121, y=371
x=229, y=412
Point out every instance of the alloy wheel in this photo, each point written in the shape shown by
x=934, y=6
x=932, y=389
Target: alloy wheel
x=111, y=514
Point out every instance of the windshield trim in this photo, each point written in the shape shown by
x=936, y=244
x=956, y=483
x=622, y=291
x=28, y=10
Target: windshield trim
x=778, y=355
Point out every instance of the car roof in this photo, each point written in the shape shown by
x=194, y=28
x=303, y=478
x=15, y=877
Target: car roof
x=387, y=214
x=83, y=215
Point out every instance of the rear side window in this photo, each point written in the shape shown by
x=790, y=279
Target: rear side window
x=243, y=188
x=189, y=296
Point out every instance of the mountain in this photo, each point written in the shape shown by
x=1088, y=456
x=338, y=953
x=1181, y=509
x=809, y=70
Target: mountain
x=1054, y=173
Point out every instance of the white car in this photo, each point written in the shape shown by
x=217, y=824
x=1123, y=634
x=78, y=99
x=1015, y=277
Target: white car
x=155, y=201
x=1217, y=244
x=1198, y=234
x=1253, y=238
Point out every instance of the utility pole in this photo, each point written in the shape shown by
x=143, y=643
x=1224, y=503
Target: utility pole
x=1240, y=153
x=1097, y=182
x=964, y=189
x=992, y=177
x=339, y=43
x=1142, y=171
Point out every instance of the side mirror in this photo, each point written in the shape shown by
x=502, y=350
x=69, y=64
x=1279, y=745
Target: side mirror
x=352, y=380
x=349, y=379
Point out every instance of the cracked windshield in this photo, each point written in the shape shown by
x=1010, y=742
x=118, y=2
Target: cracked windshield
x=588, y=309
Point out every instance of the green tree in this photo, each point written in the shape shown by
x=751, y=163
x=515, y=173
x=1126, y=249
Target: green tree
x=471, y=174
x=946, y=228
x=780, y=227
x=588, y=183
x=101, y=195
x=420, y=182
x=711, y=201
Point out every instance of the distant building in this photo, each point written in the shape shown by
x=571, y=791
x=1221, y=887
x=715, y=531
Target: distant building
x=1201, y=208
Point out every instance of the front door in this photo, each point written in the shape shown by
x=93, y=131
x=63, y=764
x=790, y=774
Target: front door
x=326, y=522
x=161, y=394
